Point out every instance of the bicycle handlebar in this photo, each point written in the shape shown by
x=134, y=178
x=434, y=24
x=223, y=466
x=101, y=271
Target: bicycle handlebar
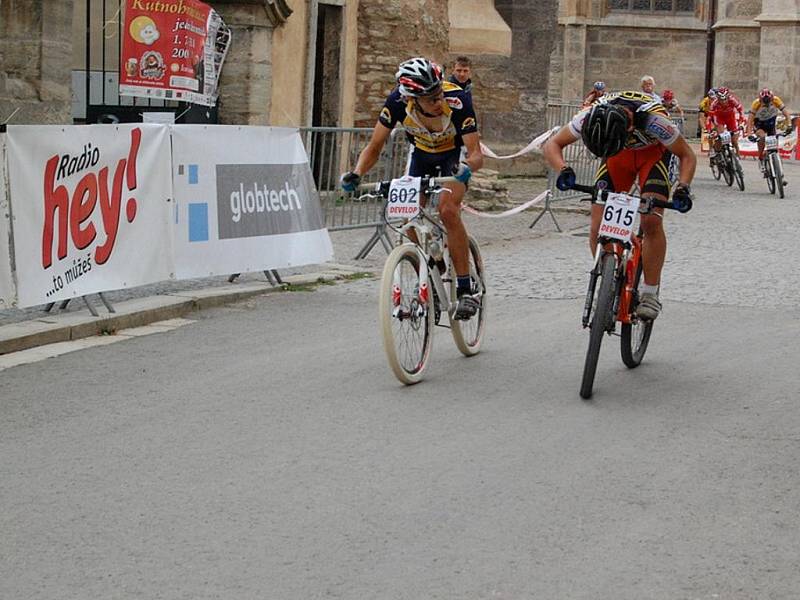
x=647, y=205
x=381, y=188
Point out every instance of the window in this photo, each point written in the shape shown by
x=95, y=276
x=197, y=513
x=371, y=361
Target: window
x=653, y=6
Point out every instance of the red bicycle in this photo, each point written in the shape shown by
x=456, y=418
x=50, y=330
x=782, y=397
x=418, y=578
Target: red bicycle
x=613, y=293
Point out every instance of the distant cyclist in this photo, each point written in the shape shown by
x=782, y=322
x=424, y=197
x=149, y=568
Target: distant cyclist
x=726, y=114
x=671, y=104
x=438, y=119
x=633, y=135
x=598, y=91
x=763, y=114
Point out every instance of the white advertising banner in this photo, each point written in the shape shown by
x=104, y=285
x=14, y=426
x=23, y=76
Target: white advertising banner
x=245, y=201
x=90, y=208
x=7, y=295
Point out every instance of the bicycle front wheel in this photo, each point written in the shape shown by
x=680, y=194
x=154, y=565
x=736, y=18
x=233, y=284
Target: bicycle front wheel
x=777, y=170
x=769, y=173
x=716, y=171
x=727, y=168
x=602, y=321
x=738, y=173
x=635, y=335
x=468, y=334
x=406, y=314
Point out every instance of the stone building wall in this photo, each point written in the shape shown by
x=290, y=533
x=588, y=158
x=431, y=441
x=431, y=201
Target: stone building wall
x=511, y=92
x=390, y=31
x=245, y=83
x=620, y=56
x=35, y=61
x=757, y=44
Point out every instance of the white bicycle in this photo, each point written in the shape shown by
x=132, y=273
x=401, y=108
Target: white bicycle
x=418, y=284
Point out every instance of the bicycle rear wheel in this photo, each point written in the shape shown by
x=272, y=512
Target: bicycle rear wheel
x=406, y=320
x=602, y=321
x=777, y=169
x=635, y=335
x=468, y=334
x=738, y=173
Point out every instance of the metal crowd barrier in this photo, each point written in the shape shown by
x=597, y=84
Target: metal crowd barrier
x=333, y=151
x=577, y=156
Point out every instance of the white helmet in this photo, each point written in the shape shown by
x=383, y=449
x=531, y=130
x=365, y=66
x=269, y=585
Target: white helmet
x=419, y=77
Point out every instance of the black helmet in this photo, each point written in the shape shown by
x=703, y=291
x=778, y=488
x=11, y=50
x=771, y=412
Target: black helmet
x=605, y=130
x=419, y=77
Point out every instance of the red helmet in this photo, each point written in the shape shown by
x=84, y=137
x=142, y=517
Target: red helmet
x=765, y=95
x=668, y=95
x=723, y=94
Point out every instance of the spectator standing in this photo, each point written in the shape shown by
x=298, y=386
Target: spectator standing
x=649, y=86
x=462, y=74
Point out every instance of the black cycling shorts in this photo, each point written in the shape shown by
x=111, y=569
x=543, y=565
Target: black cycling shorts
x=767, y=125
x=435, y=165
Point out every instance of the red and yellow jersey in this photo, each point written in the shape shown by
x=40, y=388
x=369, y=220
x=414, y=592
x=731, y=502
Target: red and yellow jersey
x=764, y=112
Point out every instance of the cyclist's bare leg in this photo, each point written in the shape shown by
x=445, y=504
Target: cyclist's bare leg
x=761, y=143
x=594, y=227
x=735, y=142
x=450, y=213
x=717, y=143
x=654, y=245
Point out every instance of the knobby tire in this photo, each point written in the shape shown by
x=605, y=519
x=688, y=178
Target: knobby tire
x=468, y=334
x=407, y=342
x=635, y=336
x=602, y=320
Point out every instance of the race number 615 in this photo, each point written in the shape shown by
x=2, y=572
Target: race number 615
x=620, y=215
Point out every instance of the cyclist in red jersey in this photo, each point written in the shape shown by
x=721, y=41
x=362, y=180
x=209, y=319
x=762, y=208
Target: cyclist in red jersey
x=726, y=112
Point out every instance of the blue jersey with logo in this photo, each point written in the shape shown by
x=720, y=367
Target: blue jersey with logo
x=458, y=119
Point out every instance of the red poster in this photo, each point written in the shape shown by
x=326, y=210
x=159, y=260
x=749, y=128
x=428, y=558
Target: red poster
x=170, y=50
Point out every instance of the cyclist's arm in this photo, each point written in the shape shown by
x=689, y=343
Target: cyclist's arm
x=553, y=150
x=474, y=158
x=680, y=110
x=751, y=119
x=688, y=160
x=372, y=152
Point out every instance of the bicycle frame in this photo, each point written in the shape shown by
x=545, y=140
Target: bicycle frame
x=424, y=234
x=627, y=257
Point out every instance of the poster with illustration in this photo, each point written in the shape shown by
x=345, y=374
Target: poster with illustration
x=172, y=49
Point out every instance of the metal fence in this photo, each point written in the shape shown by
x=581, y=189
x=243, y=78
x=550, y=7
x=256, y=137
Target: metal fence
x=334, y=150
x=577, y=156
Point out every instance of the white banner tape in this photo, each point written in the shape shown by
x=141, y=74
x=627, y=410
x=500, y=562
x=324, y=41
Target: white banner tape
x=534, y=146
x=509, y=212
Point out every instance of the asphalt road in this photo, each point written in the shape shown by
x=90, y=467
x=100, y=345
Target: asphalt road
x=266, y=451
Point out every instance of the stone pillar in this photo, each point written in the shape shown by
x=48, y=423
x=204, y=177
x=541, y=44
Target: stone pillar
x=246, y=83
x=738, y=46
x=35, y=61
x=574, y=62
x=780, y=50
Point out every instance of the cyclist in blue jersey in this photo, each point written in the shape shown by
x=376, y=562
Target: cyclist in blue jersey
x=438, y=119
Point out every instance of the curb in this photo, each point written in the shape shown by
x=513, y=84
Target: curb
x=51, y=329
